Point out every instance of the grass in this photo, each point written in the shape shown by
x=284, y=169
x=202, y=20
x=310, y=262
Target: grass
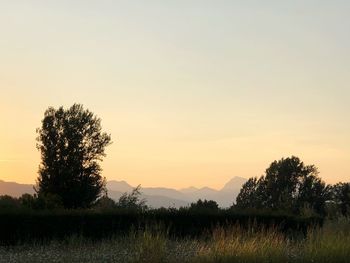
x=331, y=243
x=238, y=245
x=328, y=244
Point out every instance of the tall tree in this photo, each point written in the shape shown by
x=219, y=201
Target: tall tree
x=288, y=185
x=72, y=145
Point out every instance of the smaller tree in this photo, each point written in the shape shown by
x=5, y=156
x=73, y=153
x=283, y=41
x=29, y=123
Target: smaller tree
x=132, y=201
x=8, y=203
x=205, y=205
x=28, y=201
x=105, y=203
x=341, y=196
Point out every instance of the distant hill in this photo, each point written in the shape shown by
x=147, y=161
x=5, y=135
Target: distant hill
x=189, y=190
x=154, y=201
x=15, y=189
x=160, y=196
x=120, y=186
x=234, y=184
x=155, y=196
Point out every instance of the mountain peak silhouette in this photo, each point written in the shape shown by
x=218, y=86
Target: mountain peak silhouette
x=234, y=184
x=156, y=196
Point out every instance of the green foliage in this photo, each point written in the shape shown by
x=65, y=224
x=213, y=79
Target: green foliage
x=288, y=185
x=71, y=145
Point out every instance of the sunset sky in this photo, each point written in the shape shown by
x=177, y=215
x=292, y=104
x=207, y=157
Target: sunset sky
x=192, y=92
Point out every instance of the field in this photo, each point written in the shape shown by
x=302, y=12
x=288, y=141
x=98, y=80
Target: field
x=330, y=243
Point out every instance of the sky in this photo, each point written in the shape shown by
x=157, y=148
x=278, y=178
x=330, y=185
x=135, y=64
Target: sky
x=192, y=92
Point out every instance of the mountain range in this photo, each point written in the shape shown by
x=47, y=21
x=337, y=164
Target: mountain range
x=155, y=196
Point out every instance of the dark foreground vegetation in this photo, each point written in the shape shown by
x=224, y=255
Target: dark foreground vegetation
x=40, y=227
x=330, y=243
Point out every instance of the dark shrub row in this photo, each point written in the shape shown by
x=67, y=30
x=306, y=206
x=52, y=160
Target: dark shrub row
x=42, y=226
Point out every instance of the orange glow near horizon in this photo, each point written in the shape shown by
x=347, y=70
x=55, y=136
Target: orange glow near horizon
x=192, y=94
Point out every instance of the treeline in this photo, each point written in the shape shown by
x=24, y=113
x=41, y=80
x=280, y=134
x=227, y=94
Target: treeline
x=290, y=185
x=72, y=145
x=50, y=202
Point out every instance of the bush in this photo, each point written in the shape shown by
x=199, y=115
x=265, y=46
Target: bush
x=8, y=203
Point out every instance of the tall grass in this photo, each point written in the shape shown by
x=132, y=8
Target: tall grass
x=150, y=246
x=239, y=245
x=330, y=243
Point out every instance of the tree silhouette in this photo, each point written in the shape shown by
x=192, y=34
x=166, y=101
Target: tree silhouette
x=288, y=185
x=8, y=202
x=104, y=203
x=132, y=201
x=71, y=145
x=205, y=205
x=248, y=196
x=341, y=196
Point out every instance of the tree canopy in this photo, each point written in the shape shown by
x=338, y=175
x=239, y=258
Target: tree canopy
x=72, y=144
x=288, y=185
x=341, y=196
x=205, y=205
